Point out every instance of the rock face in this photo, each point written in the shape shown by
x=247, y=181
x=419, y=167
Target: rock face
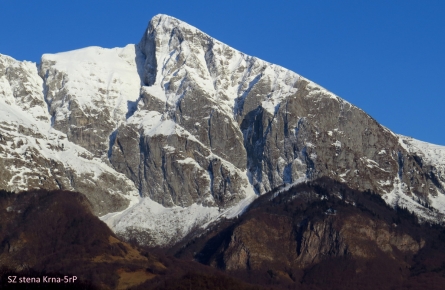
x=258, y=243
x=211, y=110
x=185, y=120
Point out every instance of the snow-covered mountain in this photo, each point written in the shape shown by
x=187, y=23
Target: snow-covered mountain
x=197, y=130
x=36, y=155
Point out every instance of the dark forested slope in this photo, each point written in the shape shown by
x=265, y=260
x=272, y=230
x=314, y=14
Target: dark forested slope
x=55, y=234
x=325, y=235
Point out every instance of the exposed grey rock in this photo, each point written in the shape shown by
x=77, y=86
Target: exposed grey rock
x=255, y=116
x=264, y=118
x=175, y=169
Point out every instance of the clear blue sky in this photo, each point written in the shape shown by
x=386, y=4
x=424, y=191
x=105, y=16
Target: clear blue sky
x=386, y=57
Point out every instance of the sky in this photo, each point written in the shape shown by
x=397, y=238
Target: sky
x=386, y=57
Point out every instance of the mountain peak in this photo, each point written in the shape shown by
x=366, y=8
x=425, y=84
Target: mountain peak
x=164, y=20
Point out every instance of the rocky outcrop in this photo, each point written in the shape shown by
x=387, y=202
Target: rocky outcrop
x=256, y=245
x=253, y=244
x=359, y=231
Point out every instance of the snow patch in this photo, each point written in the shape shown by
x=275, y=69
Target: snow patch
x=167, y=225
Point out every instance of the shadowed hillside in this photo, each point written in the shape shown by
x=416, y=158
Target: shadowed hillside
x=324, y=235
x=316, y=235
x=55, y=234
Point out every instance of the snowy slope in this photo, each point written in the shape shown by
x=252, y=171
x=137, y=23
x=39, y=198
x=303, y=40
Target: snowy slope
x=431, y=154
x=91, y=91
x=99, y=78
x=153, y=224
x=35, y=155
x=432, y=157
x=21, y=86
